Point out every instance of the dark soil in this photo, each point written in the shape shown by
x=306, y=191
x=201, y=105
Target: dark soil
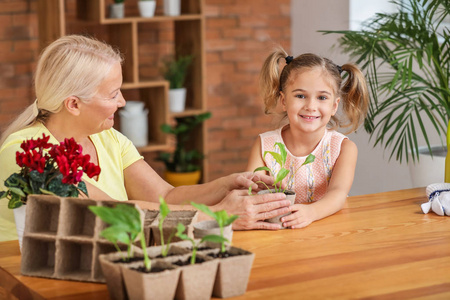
x=128, y=260
x=223, y=254
x=188, y=261
x=152, y=270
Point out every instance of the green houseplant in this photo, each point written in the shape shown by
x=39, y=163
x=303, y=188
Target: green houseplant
x=406, y=58
x=175, y=71
x=183, y=159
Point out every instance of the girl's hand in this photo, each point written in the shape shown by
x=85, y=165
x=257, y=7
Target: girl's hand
x=246, y=179
x=302, y=215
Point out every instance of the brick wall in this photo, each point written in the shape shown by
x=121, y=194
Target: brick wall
x=239, y=35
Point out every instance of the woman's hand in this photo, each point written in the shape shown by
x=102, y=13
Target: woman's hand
x=244, y=180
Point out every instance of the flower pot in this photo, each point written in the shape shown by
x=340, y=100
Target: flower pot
x=113, y=275
x=172, y=7
x=233, y=272
x=428, y=169
x=290, y=195
x=117, y=10
x=147, y=8
x=197, y=280
x=154, y=285
x=211, y=227
x=177, y=99
x=19, y=217
x=186, y=178
x=187, y=217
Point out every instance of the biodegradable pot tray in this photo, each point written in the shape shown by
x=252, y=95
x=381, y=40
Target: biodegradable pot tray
x=187, y=217
x=62, y=237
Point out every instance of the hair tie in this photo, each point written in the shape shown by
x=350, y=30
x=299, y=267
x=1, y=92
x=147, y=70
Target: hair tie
x=289, y=59
x=339, y=69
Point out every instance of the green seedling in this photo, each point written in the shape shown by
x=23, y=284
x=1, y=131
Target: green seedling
x=211, y=238
x=163, y=212
x=280, y=158
x=222, y=218
x=125, y=226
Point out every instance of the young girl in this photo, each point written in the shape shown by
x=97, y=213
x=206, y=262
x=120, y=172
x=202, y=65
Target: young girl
x=308, y=90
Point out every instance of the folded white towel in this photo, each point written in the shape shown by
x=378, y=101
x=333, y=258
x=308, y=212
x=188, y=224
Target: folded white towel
x=438, y=199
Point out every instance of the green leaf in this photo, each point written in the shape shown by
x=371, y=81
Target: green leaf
x=309, y=159
x=214, y=238
x=262, y=169
x=283, y=153
x=17, y=191
x=163, y=208
x=230, y=220
x=275, y=156
x=205, y=209
x=180, y=233
x=3, y=194
x=115, y=234
x=281, y=175
x=82, y=187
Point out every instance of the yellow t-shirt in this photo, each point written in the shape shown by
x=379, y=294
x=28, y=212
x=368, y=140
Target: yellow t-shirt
x=115, y=153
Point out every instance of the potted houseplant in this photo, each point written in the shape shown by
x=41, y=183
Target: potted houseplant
x=147, y=8
x=117, y=9
x=175, y=71
x=172, y=7
x=183, y=162
x=406, y=58
x=280, y=157
x=46, y=168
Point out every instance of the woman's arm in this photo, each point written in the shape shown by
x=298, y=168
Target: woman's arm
x=143, y=183
x=337, y=192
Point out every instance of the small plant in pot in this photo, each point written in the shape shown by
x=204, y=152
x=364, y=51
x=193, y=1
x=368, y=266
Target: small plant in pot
x=183, y=162
x=283, y=172
x=117, y=9
x=140, y=277
x=175, y=71
x=147, y=8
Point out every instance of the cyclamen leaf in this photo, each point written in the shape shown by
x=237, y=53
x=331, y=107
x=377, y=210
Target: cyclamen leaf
x=3, y=194
x=14, y=202
x=83, y=188
x=17, y=191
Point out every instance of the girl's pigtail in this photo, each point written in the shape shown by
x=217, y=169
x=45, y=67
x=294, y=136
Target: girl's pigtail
x=355, y=97
x=269, y=80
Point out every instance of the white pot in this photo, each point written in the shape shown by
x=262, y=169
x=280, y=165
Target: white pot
x=117, y=11
x=134, y=125
x=19, y=217
x=172, y=7
x=177, y=99
x=428, y=169
x=209, y=227
x=147, y=8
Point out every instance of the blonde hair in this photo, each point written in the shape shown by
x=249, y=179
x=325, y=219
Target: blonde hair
x=353, y=90
x=72, y=65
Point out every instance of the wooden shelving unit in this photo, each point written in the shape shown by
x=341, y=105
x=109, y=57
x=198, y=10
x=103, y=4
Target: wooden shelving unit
x=61, y=17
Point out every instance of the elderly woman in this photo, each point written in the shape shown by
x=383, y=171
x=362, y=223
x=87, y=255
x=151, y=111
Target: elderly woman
x=77, y=82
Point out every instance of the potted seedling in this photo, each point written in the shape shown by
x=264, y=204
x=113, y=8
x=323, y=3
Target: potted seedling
x=280, y=157
x=199, y=272
x=147, y=8
x=184, y=164
x=175, y=71
x=234, y=264
x=125, y=226
x=221, y=225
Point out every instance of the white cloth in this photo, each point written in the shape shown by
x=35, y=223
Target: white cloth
x=438, y=199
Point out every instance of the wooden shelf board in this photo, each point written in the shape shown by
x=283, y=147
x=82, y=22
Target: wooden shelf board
x=155, y=19
x=144, y=84
x=187, y=113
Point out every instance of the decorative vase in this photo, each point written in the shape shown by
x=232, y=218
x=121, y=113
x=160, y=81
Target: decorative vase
x=290, y=195
x=186, y=178
x=134, y=123
x=19, y=217
x=172, y=7
x=147, y=8
x=177, y=99
x=117, y=11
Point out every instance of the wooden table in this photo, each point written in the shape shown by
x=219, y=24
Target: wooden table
x=379, y=246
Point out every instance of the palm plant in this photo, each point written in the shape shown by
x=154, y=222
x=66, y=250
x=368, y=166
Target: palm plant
x=406, y=58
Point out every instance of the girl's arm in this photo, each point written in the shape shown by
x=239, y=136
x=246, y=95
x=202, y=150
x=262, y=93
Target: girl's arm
x=338, y=189
x=255, y=160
